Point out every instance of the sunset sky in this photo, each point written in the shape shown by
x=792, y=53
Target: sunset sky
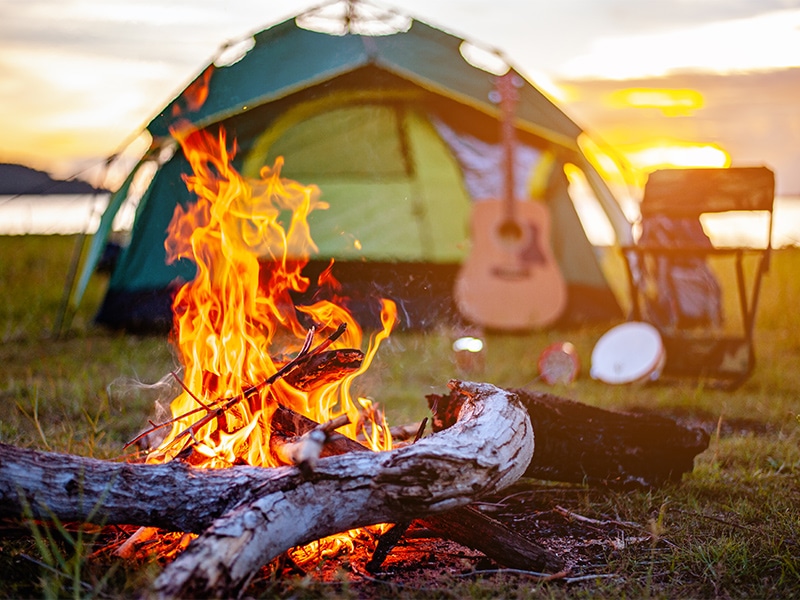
x=78, y=78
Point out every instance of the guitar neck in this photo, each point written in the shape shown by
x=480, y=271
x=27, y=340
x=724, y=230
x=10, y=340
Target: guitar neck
x=508, y=169
x=508, y=102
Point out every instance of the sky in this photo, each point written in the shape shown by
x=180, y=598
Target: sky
x=80, y=78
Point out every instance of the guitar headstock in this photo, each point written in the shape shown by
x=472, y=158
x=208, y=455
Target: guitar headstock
x=506, y=91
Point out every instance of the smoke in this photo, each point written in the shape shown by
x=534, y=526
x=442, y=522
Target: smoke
x=132, y=396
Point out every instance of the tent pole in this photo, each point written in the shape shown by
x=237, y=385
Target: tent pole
x=62, y=319
x=65, y=310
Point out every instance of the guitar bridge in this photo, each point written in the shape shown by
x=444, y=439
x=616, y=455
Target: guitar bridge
x=511, y=273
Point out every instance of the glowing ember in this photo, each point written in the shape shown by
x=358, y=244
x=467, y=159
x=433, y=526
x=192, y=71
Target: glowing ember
x=236, y=324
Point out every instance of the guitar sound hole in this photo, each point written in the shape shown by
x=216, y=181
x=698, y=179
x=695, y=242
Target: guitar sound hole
x=510, y=232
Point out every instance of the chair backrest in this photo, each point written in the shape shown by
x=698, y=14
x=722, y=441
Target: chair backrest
x=693, y=192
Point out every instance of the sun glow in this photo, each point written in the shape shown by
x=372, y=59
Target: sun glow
x=671, y=102
x=769, y=40
x=667, y=154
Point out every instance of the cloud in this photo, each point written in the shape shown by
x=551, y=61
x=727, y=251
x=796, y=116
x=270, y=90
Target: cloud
x=651, y=17
x=760, y=42
x=100, y=68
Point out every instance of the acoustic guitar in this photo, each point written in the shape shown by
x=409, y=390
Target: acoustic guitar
x=510, y=279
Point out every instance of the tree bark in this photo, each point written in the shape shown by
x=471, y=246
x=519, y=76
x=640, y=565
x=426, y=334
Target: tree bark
x=248, y=516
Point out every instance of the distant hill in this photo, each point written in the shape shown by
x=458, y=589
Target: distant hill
x=20, y=180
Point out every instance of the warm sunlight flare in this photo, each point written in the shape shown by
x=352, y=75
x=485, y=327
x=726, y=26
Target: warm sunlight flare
x=669, y=154
x=671, y=102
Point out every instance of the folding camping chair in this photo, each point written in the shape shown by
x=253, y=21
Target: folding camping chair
x=671, y=283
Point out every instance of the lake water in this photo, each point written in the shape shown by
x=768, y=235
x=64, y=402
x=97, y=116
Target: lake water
x=50, y=215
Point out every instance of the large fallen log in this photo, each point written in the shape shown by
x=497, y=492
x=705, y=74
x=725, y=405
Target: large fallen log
x=585, y=444
x=248, y=516
x=578, y=443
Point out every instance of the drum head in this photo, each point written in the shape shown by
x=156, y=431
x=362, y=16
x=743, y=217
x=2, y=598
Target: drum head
x=628, y=353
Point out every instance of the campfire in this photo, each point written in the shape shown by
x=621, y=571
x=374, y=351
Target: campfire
x=246, y=349
x=236, y=325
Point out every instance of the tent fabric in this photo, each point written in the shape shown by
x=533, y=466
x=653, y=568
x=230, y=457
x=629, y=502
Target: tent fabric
x=297, y=58
x=388, y=190
x=482, y=163
x=98, y=242
x=400, y=134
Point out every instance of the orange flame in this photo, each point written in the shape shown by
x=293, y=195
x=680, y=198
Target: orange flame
x=235, y=322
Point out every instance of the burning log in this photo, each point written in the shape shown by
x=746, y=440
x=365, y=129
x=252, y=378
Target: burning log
x=248, y=515
x=318, y=369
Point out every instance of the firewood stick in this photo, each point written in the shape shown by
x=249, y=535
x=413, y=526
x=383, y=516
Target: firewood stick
x=220, y=405
x=388, y=540
x=287, y=423
x=401, y=433
x=127, y=548
x=304, y=451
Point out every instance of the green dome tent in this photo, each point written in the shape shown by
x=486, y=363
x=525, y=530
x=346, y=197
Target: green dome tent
x=401, y=134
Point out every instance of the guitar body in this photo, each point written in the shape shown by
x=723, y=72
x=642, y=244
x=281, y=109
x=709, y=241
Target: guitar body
x=510, y=280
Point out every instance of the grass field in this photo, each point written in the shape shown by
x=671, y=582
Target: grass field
x=731, y=528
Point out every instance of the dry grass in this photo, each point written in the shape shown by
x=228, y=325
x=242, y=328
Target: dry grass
x=729, y=529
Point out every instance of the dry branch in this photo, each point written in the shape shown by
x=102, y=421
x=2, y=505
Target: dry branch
x=308, y=364
x=468, y=526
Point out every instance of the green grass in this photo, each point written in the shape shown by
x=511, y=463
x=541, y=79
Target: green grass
x=731, y=528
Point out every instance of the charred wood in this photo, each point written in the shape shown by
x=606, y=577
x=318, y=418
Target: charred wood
x=471, y=528
x=578, y=443
x=315, y=370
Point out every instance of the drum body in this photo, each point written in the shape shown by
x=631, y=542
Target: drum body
x=628, y=353
x=559, y=364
